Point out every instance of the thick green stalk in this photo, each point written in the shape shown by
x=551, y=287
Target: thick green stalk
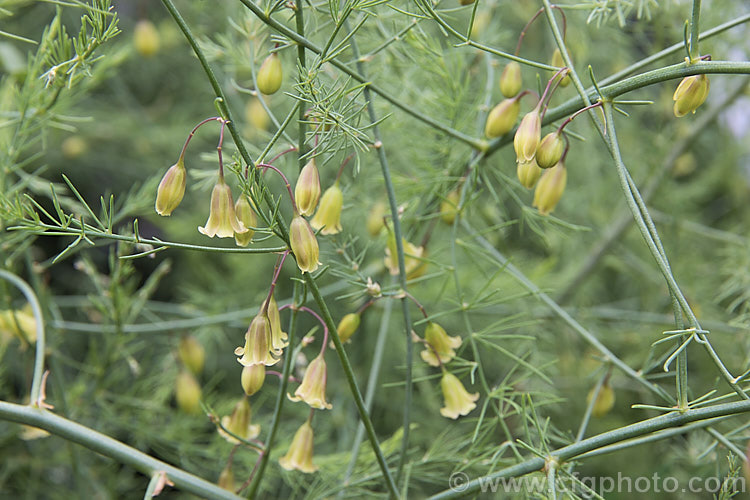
x=398, y=235
x=668, y=421
x=112, y=448
x=36, y=309
x=353, y=386
x=695, y=17
x=280, y=398
x=291, y=34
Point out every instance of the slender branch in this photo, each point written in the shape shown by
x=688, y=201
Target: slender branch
x=668, y=421
x=107, y=446
x=300, y=23
x=353, y=386
x=695, y=51
x=28, y=292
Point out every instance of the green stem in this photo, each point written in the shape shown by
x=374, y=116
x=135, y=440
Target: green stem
x=353, y=386
x=280, y=398
x=28, y=292
x=291, y=34
x=668, y=421
x=695, y=30
x=398, y=235
x=112, y=448
x=300, y=23
x=224, y=104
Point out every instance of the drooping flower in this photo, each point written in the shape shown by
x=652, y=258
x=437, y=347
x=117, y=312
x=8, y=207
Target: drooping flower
x=550, y=150
x=312, y=390
x=191, y=354
x=257, y=349
x=304, y=244
x=187, y=392
x=328, y=216
x=222, y=220
x=440, y=345
x=171, y=189
x=690, y=93
x=550, y=188
x=527, y=136
x=458, y=401
x=246, y=215
x=300, y=454
x=278, y=337
x=375, y=219
x=307, y=189
x=238, y=423
x=414, y=263
x=528, y=173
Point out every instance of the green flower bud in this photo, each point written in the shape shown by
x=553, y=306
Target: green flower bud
x=557, y=61
x=187, y=392
x=191, y=354
x=307, y=190
x=252, y=378
x=605, y=400
x=146, y=38
x=510, y=79
x=246, y=215
x=550, y=150
x=501, y=119
x=304, y=244
x=691, y=93
x=171, y=189
x=528, y=173
x=550, y=188
x=270, y=75
x=528, y=136
x=449, y=206
x=222, y=220
x=347, y=326
x=329, y=212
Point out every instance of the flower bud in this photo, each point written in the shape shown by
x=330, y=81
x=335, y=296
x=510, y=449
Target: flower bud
x=146, y=38
x=278, y=337
x=171, y=189
x=550, y=188
x=501, y=119
x=375, y=219
x=226, y=479
x=550, y=150
x=528, y=136
x=300, y=454
x=313, y=388
x=19, y=323
x=187, y=392
x=439, y=344
x=347, y=326
x=222, y=220
x=252, y=378
x=605, y=400
x=257, y=349
x=691, y=93
x=328, y=216
x=449, y=207
x=304, y=244
x=256, y=114
x=458, y=401
x=243, y=209
x=510, y=79
x=238, y=423
x=270, y=75
x=528, y=173
x=191, y=354
x=557, y=61
x=307, y=190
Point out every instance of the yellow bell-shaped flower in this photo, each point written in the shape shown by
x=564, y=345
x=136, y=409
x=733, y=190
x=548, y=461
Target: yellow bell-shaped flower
x=257, y=349
x=222, y=220
x=690, y=93
x=300, y=454
x=550, y=188
x=458, y=401
x=439, y=345
x=313, y=388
